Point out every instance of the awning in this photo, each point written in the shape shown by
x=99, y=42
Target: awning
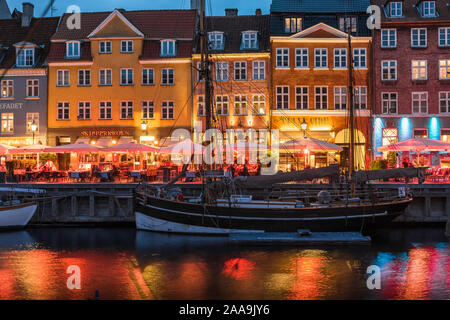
x=83, y=140
x=125, y=139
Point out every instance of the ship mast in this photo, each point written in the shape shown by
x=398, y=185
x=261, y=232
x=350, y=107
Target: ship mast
x=205, y=70
x=351, y=108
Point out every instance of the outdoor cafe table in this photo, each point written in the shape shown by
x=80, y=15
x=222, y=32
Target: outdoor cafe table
x=79, y=175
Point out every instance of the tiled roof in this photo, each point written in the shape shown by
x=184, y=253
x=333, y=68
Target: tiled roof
x=151, y=49
x=58, y=53
x=410, y=12
x=39, y=33
x=320, y=6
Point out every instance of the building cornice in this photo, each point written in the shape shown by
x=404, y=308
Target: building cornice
x=24, y=72
x=318, y=113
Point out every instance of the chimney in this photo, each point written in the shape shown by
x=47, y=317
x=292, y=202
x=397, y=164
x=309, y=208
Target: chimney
x=27, y=15
x=258, y=12
x=231, y=12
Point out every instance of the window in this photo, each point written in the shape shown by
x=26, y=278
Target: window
x=167, y=110
x=359, y=58
x=126, y=46
x=419, y=69
x=360, y=97
x=7, y=89
x=216, y=41
x=444, y=102
x=340, y=58
x=259, y=104
x=167, y=77
x=348, y=22
x=63, y=78
x=126, y=77
x=201, y=112
x=126, y=110
x=84, y=77
x=105, y=47
x=8, y=122
x=147, y=77
x=388, y=38
x=240, y=105
x=25, y=57
x=32, y=88
x=222, y=105
x=259, y=70
x=418, y=37
x=302, y=98
x=420, y=133
x=444, y=37
x=389, y=136
x=240, y=70
x=105, y=110
x=282, y=58
x=63, y=109
x=301, y=58
x=389, y=70
x=84, y=111
x=73, y=49
x=419, y=102
x=429, y=9
x=32, y=117
x=340, y=98
x=444, y=69
x=321, y=95
x=148, y=111
x=249, y=40
x=321, y=58
x=292, y=25
x=395, y=9
x=105, y=78
x=389, y=102
x=282, y=97
x=222, y=71
x=168, y=48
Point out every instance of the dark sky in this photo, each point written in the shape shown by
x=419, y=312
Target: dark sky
x=218, y=6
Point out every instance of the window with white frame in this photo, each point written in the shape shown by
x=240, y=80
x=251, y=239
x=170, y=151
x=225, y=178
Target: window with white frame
x=7, y=122
x=240, y=70
x=282, y=97
x=126, y=77
x=429, y=8
x=167, y=110
x=222, y=105
x=25, y=57
x=419, y=69
x=340, y=58
x=63, y=78
x=348, y=23
x=216, y=40
x=321, y=97
x=395, y=9
x=32, y=118
x=340, y=98
x=147, y=77
x=148, y=110
x=105, y=109
x=7, y=89
x=105, y=77
x=444, y=69
x=259, y=70
x=222, y=71
x=444, y=37
x=389, y=70
x=240, y=105
x=249, y=40
x=419, y=102
x=302, y=98
x=360, y=58
x=126, y=46
x=168, y=48
x=32, y=88
x=282, y=55
x=302, y=58
x=388, y=38
x=444, y=102
x=167, y=77
x=389, y=102
x=292, y=25
x=201, y=112
x=105, y=47
x=418, y=37
x=259, y=104
x=126, y=110
x=84, y=111
x=321, y=58
x=84, y=77
x=73, y=49
x=360, y=97
x=63, y=111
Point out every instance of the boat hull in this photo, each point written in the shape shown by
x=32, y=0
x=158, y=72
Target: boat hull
x=16, y=216
x=163, y=215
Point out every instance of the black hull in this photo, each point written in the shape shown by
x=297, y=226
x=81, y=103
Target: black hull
x=350, y=218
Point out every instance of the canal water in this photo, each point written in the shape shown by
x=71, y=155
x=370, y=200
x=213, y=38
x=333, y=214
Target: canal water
x=129, y=264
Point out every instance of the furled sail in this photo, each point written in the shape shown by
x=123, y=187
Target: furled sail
x=363, y=176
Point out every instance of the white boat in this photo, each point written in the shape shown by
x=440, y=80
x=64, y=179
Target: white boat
x=16, y=216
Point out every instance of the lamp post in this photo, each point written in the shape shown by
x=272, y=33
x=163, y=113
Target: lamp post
x=34, y=128
x=304, y=126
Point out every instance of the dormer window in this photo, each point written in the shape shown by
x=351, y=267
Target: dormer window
x=429, y=9
x=168, y=48
x=292, y=25
x=216, y=40
x=25, y=57
x=395, y=9
x=73, y=49
x=249, y=40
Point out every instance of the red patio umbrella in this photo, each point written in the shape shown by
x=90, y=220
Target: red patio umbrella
x=35, y=148
x=245, y=146
x=75, y=147
x=185, y=145
x=417, y=145
x=5, y=148
x=310, y=144
x=131, y=147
